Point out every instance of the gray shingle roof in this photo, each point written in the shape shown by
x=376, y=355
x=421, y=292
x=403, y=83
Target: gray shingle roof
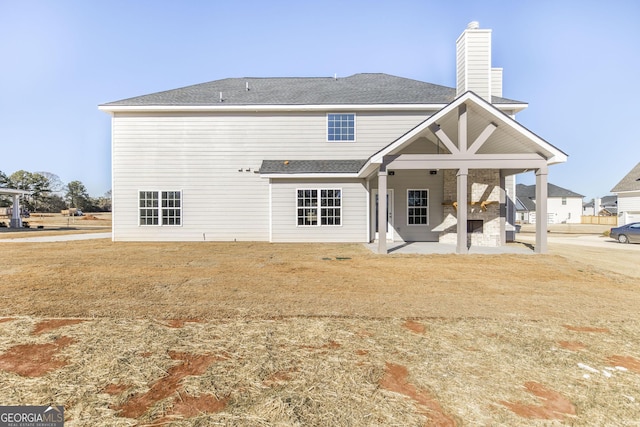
x=529, y=191
x=605, y=201
x=525, y=204
x=366, y=88
x=631, y=182
x=311, y=166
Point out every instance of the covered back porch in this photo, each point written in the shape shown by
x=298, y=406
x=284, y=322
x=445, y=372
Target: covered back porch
x=477, y=149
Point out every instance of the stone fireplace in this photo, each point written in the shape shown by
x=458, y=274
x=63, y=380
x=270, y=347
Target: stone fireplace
x=483, y=213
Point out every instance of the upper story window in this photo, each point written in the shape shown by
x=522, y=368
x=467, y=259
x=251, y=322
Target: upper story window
x=341, y=127
x=564, y=201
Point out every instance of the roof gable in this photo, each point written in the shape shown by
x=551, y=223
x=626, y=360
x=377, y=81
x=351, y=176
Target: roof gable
x=509, y=137
x=631, y=181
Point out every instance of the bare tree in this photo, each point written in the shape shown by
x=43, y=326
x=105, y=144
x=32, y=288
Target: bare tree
x=56, y=186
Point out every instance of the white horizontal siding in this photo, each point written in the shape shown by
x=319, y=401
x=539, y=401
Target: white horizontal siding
x=461, y=64
x=400, y=182
x=496, y=82
x=565, y=214
x=353, y=226
x=201, y=155
x=629, y=202
x=475, y=57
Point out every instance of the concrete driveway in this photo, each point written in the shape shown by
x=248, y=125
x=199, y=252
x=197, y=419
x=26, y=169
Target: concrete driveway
x=58, y=238
x=591, y=240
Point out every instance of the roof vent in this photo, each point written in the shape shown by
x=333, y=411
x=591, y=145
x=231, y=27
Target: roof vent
x=473, y=25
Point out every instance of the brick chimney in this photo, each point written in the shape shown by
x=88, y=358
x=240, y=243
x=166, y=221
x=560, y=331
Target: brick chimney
x=473, y=63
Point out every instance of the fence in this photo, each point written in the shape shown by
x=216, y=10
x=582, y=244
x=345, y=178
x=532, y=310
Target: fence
x=600, y=220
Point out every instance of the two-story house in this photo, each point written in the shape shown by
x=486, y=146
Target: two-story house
x=307, y=159
x=601, y=206
x=628, y=194
x=563, y=206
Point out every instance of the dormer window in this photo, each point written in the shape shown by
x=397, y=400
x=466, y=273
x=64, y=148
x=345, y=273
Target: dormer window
x=341, y=127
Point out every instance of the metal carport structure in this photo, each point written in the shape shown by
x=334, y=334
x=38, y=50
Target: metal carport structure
x=16, y=221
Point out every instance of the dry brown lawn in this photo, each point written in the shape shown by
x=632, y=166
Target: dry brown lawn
x=258, y=334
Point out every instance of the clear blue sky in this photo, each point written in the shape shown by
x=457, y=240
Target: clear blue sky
x=577, y=64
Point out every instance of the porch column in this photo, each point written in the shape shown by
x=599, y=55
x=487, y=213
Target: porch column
x=382, y=210
x=462, y=176
x=541, y=210
x=16, y=221
x=503, y=210
x=462, y=128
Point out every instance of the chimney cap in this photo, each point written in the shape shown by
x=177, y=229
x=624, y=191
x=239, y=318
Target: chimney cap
x=473, y=25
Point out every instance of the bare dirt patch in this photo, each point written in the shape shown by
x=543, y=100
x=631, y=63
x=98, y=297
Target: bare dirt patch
x=554, y=406
x=191, y=406
x=280, y=377
x=629, y=362
x=53, y=324
x=90, y=217
x=115, y=388
x=414, y=326
x=395, y=379
x=572, y=345
x=34, y=360
x=179, y=323
x=167, y=386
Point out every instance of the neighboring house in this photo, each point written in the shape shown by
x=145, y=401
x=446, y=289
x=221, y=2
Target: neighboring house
x=525, y=209
x=304, y=159
x=563, y=206
x=605, y=206
x=628, y=192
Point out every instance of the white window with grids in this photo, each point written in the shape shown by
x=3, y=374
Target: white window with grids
x=417, y=207
x=171, y=208
x=160, y=208
x=341, y=127
x=319, y=207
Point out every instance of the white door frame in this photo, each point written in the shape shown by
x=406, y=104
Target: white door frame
x=390, y=229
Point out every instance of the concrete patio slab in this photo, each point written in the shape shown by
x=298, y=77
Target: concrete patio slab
x=443, y=248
